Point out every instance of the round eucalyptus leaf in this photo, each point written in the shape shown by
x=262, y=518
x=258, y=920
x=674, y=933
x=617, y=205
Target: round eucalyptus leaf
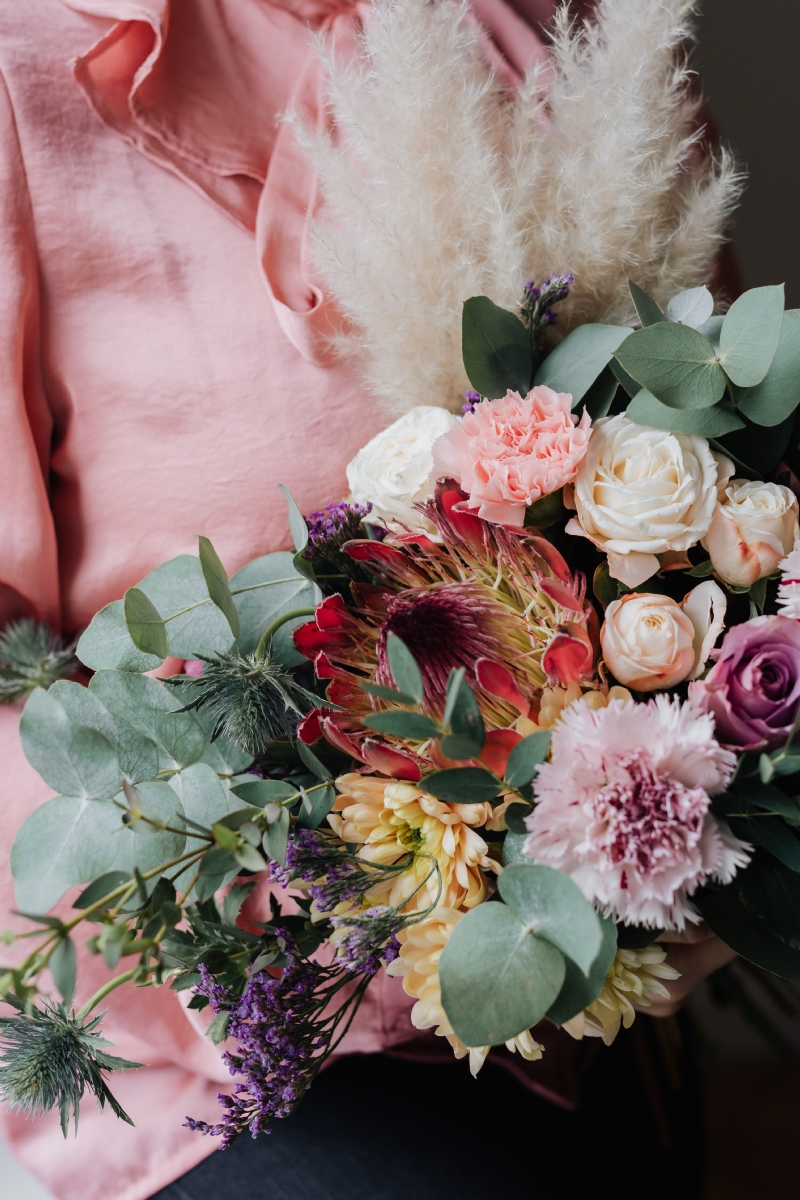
x=497, y=977
x=179, y=587
x=555, y=908
x=514, y=848
x=692, y=307
x=201, y=793
x=496, y=349
x=778, y=394
x=161, y=801
x=106, y=645
x=150, y=708
x=71, y=758
x=263, y=590
x=148, y=632
x=579, y=990
x=645, y=409
x=138, y=756
x=576, y=362
x=676, y=363
x=64, y=841
x=750, y=335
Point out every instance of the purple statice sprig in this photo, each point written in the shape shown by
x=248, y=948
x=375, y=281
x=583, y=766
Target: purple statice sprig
x=336, y=876
x=285, y=1027
x=536, y=304
x=471, y=398
x=369, y=938
x=330, y=527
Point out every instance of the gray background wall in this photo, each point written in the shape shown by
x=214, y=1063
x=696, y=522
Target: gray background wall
x=748, y=58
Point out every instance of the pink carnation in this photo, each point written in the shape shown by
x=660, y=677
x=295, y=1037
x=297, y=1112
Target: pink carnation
x=510, y=452
x=623, y=808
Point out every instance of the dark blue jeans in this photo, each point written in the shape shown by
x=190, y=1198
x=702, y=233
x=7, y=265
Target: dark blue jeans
x=375, y=1128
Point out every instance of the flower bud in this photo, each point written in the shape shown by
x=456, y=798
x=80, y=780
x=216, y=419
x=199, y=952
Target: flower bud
x=753, y=528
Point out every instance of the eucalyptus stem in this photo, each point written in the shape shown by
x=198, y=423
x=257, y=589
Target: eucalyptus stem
x=102, y=992
x=272, y=629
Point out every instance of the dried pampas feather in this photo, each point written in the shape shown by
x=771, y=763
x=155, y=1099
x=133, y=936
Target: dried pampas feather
x=442, y=184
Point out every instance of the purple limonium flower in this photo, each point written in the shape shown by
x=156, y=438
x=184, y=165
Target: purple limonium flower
x=329, y=528
x=536, y=304
x=336, y=876
x=285, y=1028
x=369, y=938
x=471, y=398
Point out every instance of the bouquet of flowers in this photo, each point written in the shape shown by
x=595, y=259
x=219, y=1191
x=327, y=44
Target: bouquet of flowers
x=525, y=699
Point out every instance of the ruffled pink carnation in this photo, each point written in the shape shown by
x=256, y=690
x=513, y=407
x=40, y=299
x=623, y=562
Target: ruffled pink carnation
x=623, y=809
x=510, y=452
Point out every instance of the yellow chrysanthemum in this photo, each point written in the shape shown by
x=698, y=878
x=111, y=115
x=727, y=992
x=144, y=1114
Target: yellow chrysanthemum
x=388, y=818
x=421, y=947
x=633, y=978
x=554, y=700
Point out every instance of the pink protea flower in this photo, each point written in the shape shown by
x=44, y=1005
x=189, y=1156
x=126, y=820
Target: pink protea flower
x=508, y=453
x=623, y=808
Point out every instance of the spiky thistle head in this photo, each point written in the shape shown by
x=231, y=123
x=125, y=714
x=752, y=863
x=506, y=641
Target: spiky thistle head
x=51, y=1058
x=31, y=656
x=253, y=701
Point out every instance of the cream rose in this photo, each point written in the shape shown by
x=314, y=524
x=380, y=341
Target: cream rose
x=391, y=472
x=650, y=641
x=642, y=492
x=753, y=529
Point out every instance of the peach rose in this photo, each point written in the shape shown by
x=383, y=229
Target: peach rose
x=650, y=641
x=753, y=529
x=509, y=453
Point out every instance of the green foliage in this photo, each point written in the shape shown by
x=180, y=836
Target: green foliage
x=750, y=335
x=513, y=848
x=545, y=511
x=31, y=657
x=648, y=311
x=553, y=905
x=674, y=362
x=137, y=754
x=601, y=395
x=315, y=806
x=259, y=793
x=179, y=592
x=202, y=796
x=64, y=841
x=728, y=914
x=405, y=672
x=216, y=579
x=399, y=723
x=314, y=765
x=299, y=532
x=645, y=409
x=777, y=395
x=148, y=632
x=71, y=758
x=150, y=708
x=462, y=785
x=462, y=718
x=276, y=837
x=496, y=349
x=497, y=977
x=578, y=361
x=692, y=307
x=106, y=644
x=264, y=590
x=525, y=758
x=579, y=989
x=63, y=965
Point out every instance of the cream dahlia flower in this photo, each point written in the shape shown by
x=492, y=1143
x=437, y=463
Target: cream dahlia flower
x=388, y=818
x=421, y=947
x=634, y=977
x=556, y=700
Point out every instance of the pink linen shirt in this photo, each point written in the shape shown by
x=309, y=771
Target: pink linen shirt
x=162, y=368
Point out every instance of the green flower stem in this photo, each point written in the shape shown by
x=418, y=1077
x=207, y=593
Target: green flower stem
x=131, y=886
x=271, y=630
x=102, y=992
x=234, y=592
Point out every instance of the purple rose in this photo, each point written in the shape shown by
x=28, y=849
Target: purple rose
x=753, y=691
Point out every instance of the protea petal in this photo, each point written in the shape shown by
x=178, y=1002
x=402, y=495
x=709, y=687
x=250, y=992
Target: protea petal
x=498, y=681
x=338, y=738
x=388, y=761
x=562, y=595
x=497, y=747
x=568, y=657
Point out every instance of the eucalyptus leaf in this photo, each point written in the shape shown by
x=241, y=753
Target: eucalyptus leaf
x=299, y=532
x=463, y=716
x=600, y=396
x=648, y=311
x=778, y=394
x=496, y=349
x=264, y=590
x=526, y=757
x=514, y=848
x=497, y=978
x=462, y=785
x=262, y=792
x=758, y=447
x=312, y=762
x=149, y=707
x=405, y=671
x=580, y=990
x=630, y=385
x=216, y=578
x=645, y=409
x=545, y=511
x=399, y=723
x=316, y=806
x=137, y=754
x=773, y=835
x=712, y=330
x=516, y=815
x=159, y=800
x=203, y=798
x=101, y=887
x=551, y=905
x=676, y=363
x=276, y=838
x=64, y=841
x=107, y=645
x=194, y=624
x=577, y=362
x=692, y=307
x=63, y=966
x=772, y=893
x=148, y=632
x=71, y=758
x=750, y=335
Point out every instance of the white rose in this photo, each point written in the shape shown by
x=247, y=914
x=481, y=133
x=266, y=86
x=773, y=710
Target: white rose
x=642, y=492
x=754, y=527
x=650, y=641
x=391, y=472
